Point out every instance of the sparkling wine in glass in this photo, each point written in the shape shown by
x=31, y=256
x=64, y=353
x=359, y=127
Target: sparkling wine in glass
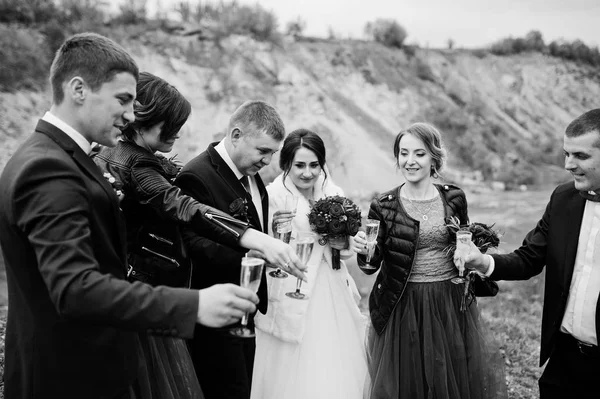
x=304, y=246
x=372, y=230
x=283, y=231
x=250, y=276
x=463, y=239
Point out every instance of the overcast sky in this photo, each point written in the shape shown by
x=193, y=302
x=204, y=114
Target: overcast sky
x=470, y=23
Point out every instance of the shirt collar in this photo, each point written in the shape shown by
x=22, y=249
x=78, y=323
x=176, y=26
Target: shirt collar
x=222, y=151
x=69, y=131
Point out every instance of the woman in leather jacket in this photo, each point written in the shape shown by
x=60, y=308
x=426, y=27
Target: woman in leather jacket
x=153, y=210
x=420, y=343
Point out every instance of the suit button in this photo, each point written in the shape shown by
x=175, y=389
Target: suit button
x=378, y=286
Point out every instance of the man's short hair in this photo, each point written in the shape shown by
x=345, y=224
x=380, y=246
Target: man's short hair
x=260, y=115
x=586, y=123
x=97, y=59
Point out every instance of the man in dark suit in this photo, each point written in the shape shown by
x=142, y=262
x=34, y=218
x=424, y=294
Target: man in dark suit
x=225, y=176
x=73, y=319
x=567, y=241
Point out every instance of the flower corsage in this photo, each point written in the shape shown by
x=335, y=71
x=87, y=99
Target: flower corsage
x=239, y=209
x=171, y=166
x=115, y=184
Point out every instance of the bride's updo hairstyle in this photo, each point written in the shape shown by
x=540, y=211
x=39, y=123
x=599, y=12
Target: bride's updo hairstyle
x=432, y=139
x=297, y=139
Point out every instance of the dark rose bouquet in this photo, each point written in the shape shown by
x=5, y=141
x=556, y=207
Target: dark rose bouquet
x=334, y=218
x=484, y=237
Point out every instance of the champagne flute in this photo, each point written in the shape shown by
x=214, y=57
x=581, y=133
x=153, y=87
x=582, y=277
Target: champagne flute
x=372, y=230
x=304, y=246
x=283, y=231
x=463, y=238
x=250, y=276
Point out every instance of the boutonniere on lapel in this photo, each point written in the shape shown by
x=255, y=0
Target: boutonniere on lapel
x=115, y=184
x=171, y=166
x=239, y=209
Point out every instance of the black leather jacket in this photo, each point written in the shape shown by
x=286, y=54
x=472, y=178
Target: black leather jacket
x=153, y=209
x=396, y=247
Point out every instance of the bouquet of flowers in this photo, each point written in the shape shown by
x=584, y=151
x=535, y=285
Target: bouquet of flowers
x=484, y=237
x=334, y=218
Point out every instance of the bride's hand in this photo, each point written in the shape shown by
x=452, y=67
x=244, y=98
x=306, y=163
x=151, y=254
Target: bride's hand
x=359, y=244
x=339, y=242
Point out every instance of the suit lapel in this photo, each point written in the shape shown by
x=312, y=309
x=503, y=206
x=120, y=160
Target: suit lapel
x=89, y=168
x=236, y=187
x=572, y=214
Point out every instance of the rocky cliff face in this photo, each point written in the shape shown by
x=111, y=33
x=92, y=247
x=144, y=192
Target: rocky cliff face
x=502, y=117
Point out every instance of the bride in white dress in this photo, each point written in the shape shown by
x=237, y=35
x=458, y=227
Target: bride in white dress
x=311, y=348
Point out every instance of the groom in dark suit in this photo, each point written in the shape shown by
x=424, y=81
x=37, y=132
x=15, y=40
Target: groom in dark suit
x=567, y=241
x=73, y=319
x=225, y=176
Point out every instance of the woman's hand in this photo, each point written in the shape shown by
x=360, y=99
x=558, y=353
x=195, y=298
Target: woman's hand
x=281, y=217
x=338, y=242
x=359, y=244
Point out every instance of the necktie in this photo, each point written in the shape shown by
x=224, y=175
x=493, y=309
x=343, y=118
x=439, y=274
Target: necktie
x=590, y=196
x=246, y=183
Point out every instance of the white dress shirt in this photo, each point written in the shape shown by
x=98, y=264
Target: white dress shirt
x=77, y=137
x=580, y=316
x=254, y=192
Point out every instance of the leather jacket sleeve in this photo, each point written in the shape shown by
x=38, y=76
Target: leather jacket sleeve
x=155, y=190
x=202, y=247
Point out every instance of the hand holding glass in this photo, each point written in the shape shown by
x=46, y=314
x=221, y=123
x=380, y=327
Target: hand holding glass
x=283, y=230
x=463, y=246
x=304, y=246
x=372, y=230
x=250, y=276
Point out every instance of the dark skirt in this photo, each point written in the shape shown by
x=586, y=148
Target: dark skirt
x=166, y=369
x=432, y=350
